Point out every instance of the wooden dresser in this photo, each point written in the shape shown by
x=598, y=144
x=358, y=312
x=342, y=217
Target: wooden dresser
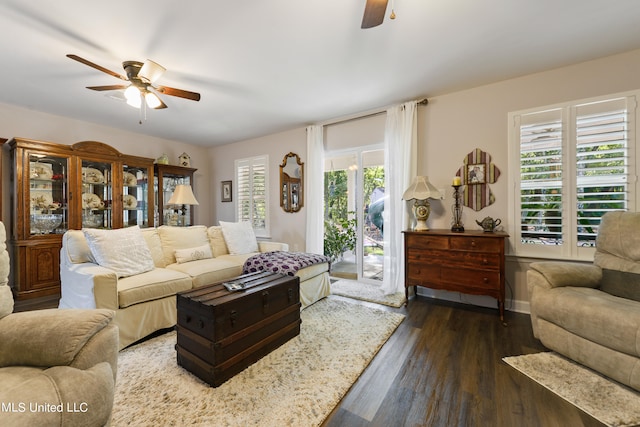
x=471, y=262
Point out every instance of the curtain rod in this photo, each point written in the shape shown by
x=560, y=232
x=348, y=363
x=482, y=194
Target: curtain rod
x=423, y=101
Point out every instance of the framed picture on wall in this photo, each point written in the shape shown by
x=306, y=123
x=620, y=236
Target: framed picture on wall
x=476, y=173
x=226, y=191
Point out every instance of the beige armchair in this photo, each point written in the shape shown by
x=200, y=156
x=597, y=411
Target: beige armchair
x=591, y=312
x=57, y=367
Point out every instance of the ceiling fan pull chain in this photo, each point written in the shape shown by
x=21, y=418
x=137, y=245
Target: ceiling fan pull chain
x=393, y=11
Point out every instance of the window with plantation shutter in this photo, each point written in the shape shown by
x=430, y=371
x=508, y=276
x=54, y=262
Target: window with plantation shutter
x=252, y=193
x=575, y=162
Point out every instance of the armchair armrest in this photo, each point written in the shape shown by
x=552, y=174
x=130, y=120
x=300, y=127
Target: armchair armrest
x=88, y=285
x=48, y=337
x=273, y=246
x=557, y=274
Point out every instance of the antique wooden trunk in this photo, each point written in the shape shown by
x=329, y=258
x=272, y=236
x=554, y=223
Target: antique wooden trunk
x=221, y=332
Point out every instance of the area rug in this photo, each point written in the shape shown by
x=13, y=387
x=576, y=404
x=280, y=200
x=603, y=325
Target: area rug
x=366, y=292
x=603, y=399
x=297, y=384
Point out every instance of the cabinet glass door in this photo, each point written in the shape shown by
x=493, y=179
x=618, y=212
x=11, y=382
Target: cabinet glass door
x=135, y=199
x=48, y=189
x=97, y=194
x=173, y=214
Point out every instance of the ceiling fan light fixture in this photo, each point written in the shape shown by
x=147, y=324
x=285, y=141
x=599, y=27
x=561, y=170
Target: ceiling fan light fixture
x=132, y=94
x=152, y=100
x=151, y=71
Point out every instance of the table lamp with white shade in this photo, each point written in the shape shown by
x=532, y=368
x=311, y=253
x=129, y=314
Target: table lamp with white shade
x=421, y=190
x=183, y=195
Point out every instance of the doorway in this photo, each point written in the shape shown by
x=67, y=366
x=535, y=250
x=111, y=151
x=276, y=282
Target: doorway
x=354, y=213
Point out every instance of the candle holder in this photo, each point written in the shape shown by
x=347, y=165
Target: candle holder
x=457, y=210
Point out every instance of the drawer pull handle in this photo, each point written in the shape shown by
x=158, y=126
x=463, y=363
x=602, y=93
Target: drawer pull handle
x=485, y=280
x=473, y=243
x=187, y=319
x=233, y=317
x=265, y=301
x=201, y=323
x=485, y=261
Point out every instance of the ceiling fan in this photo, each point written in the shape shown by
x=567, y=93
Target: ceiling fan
x=374, y=11
x=141, y=77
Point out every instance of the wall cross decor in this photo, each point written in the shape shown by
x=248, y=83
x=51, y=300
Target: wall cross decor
x=476, y=173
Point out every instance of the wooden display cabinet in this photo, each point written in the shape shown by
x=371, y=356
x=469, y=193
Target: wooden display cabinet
x=57, y=187
x=166, y=179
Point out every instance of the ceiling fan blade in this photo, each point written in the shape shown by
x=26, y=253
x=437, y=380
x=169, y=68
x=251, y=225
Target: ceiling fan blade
x=178, y=92
x=109, y=87
x=96, y=66
x=374, y=11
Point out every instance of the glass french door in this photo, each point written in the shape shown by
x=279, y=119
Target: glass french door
x=354, y=213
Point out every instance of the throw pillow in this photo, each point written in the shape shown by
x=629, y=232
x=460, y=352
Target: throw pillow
x=621, y=284
x=239, y=237
x=193, y=254
x=122, y=250
x=181, y=238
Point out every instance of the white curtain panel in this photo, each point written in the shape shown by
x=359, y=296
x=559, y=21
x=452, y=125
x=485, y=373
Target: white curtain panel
x=401, y=164
x=314, y=189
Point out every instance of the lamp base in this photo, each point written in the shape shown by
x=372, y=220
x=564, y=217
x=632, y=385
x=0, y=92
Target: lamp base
x=421, y=210
x=421, y=225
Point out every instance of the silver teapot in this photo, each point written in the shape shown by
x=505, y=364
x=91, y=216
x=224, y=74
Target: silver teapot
x=489, y=224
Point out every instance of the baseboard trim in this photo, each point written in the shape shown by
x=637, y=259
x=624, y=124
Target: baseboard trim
x=478, y=300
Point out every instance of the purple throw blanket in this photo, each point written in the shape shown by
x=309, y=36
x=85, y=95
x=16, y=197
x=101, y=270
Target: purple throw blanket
x=282, y=262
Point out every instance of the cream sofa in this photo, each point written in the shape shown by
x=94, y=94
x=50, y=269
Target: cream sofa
x=591, y=312
x=146, y=302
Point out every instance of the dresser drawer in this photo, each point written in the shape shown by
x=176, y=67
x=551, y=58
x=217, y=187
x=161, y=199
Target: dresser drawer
x=426, y=242
x=469, y=278
x=418, y=272
x=478, y=244
x=475, y=260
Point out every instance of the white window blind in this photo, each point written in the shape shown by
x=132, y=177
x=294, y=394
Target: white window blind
x=252, y=193
x=576, y=162
x=541, y=177
x=602, y=164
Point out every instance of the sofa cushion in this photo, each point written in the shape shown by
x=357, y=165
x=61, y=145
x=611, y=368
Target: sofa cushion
x=208, y=271
x=621, y=284
x=193, y=254
x=240, y=237
x=152, y=237
x=152, y=285
x=181, y=238
x=122, y=250
x=591, y=314
x=76, y=247
x=216, y=240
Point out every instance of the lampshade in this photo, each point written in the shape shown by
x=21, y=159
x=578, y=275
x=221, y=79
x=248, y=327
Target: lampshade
x=421, y=189
x=183, y=195
x=151, y=71
x=152, y=99
x=132, y=94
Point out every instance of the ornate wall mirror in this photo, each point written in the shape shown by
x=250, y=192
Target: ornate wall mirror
x=291, y=183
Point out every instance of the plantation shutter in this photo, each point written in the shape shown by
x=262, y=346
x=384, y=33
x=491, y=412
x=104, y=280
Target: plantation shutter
x=251, y=178
x=602, y=164
x=541, y=155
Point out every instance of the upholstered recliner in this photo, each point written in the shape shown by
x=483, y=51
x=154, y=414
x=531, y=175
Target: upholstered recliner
x=591, y=312
x=57, y=367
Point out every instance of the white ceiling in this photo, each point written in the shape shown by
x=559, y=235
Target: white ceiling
x=268, y=66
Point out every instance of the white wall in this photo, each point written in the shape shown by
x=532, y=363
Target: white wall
x=30, y=124
x=285, y=227
x=449, y=127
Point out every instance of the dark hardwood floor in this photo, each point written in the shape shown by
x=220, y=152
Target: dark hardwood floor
x=443, y=367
